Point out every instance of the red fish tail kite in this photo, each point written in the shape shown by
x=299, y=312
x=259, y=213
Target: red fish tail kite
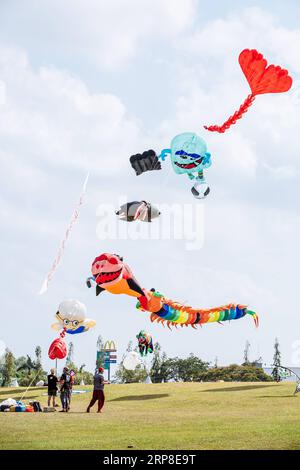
x=262, y=78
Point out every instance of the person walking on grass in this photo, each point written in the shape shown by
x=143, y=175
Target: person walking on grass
x=65, y=390
x=98, y=392
x=52, y=387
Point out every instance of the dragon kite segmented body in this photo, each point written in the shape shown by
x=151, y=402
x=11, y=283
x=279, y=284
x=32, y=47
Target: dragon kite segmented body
x=111, y=274
x=174, y=313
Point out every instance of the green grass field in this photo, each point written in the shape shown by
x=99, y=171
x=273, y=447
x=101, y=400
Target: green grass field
x=162, y=416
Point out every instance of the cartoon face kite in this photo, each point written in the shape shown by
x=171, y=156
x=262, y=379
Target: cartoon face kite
x=71, y=316
x=188, y=154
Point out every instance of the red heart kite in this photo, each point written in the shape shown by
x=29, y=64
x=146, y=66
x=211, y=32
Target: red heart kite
x=262, y=78
x=58, y=348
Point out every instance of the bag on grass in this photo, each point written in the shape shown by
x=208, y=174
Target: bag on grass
x=4, y=407
x=37, y=406
x=20, y=407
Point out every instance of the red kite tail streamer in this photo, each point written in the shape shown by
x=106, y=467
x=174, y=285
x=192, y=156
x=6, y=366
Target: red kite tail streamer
x=61, y=249
x=232, y=120
x=262, y=78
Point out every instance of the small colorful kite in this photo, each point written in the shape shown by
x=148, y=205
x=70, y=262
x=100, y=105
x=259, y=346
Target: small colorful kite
x=145, y=343
x=111, y=274
x=138, y=210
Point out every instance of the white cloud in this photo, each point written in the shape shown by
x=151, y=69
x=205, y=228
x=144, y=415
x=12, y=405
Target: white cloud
x=251, y=27
x=2, y=93
x=54, y=117
x=108, y=34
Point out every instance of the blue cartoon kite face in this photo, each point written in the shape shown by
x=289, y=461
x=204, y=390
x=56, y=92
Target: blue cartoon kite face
x=189, y=153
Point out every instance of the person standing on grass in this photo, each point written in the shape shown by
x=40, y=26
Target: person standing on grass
x=52, y=387
x=98, y=392
x=65, y=390
x=72, y=382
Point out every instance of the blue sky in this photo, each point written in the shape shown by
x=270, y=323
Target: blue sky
x=83, y=85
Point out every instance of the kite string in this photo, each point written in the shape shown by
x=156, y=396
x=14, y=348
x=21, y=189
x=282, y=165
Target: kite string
x=232, y=119
x=62, y=245
x=30, y=385
x=61, y=249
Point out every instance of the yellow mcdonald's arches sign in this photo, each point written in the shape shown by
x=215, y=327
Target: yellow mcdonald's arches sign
x=109, y=346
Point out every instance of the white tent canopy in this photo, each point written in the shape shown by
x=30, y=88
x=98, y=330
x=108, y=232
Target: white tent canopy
x=14, y=383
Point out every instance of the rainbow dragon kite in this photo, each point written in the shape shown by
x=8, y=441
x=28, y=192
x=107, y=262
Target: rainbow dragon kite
x=111, y=274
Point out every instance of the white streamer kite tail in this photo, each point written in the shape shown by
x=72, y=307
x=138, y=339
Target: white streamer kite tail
x=61, y=249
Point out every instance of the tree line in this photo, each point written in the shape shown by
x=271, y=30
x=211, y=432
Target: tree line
x=192, y=369
x=28, y=370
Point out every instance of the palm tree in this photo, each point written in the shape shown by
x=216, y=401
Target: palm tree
x=29, y=365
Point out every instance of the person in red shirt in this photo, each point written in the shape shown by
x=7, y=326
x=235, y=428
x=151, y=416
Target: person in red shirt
x=98, y=392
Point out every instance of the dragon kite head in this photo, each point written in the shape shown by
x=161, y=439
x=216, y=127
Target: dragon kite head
x=107, y=269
